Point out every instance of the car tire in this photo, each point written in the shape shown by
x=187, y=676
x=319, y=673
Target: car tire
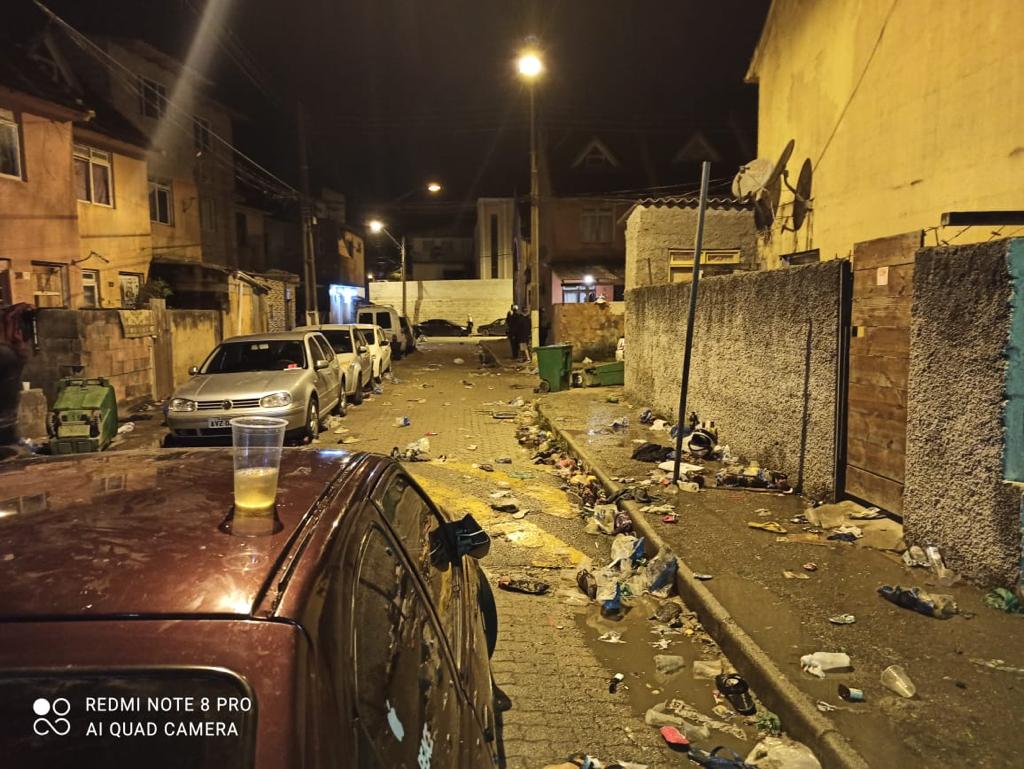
x=357, y=396
x=342, y=408
x=312, y=427
x=379, y=377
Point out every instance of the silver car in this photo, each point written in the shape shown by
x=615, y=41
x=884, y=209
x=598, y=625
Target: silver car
x=355, y=360
x=293, y=376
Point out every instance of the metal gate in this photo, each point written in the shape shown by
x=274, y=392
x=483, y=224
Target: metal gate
x=876, y=422
x=163, y=350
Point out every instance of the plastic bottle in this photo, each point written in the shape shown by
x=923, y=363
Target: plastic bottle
x=818, y=663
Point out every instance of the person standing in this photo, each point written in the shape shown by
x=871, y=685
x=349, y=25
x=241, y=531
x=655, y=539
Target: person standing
x=512, y=330
x=525, y=328
x=469, y=326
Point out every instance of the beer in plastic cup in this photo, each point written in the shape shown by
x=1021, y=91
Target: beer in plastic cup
x=257, y=445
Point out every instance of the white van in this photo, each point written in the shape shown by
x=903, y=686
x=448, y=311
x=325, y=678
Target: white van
x=389, y=320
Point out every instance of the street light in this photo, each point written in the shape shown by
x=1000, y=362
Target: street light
x=433, y=188
x=376, y=227
x=531, y=66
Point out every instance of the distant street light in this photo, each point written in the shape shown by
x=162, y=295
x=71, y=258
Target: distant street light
x=433, y=188
x=530, y=68
x=377, y=227
x=588, y=279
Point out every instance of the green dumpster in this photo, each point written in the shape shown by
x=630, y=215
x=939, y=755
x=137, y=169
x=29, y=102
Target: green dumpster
x=84, y=416
x=554, y=365
x=605, y=374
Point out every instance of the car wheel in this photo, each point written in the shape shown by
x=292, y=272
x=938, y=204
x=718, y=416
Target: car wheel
x=379, y=377
x=342, y=406
x=312, y=420
x=357, y=396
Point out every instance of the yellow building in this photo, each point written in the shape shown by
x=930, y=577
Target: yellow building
x=906, y=109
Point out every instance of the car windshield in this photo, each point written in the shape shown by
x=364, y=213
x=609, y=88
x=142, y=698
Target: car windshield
x=341, y=341
x=259, y=355
x=127, y=718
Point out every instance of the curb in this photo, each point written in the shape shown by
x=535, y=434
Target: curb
x=803, y=720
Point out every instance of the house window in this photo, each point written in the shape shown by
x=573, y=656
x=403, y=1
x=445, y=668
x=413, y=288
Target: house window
x=90, y=288
x=241, y=229
x=201, y=134
x=92, y=176
x=131, y=285
x=10, y=145
x=49, y=284
x=161, y=202
x=575, y=293
x=596, y=225
x=153, y=95
x=208, y=214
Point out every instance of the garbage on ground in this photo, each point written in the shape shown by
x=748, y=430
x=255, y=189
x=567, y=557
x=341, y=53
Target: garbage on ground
x=646, y=417
x=782, y=753
x=810, y=566
x=669, y=613
x=819, y=663
x=670, y=518
x=707, y=670
x=944, y=575
x=938, y=605
x=716, y=758
x=896, y=679
x=127, y=427
x=737, y=691
x=668, y=664
x=771, y=526
x=794, y=575
x=614, y=682
x=688, y=486
x=850, y=694
x=652, y=452
x=402, y=421
x=842, y=619
x=611, y=637
x=657, y=509
x=684, y=467
x=702, y=577
x=503, y=461
x=587, y=583
x=843, y=536
x=528, y=586
x=853, y=531
x=915, y=556
x=768, y=723
x=507, y=505
x=662, y=715
x=674, y=738
x=485, y=467
x=753, y=477
x=1002, y=599
x=998, y=665
x=458, y=361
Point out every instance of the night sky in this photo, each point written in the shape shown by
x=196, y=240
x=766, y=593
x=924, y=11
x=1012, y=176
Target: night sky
x=399, y=91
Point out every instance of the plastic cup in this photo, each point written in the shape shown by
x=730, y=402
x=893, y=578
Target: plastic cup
x=257, y=445
x=895, y=679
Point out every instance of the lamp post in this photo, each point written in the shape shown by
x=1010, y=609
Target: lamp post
x=377, y=227
x=530, y=68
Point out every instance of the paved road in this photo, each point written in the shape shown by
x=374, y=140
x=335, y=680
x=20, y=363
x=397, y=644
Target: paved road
x=558, y=684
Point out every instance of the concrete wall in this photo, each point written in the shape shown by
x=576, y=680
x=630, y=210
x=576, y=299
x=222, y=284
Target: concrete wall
x=934, y=126
x=763, y=367
x=454, y=300
x=651, y=232
x=38, y=217
x=592, y=329
x=957, y=434
x=194, y=334
x=90, y=343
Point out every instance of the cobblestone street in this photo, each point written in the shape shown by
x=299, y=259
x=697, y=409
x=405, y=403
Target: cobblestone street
x=558, y=685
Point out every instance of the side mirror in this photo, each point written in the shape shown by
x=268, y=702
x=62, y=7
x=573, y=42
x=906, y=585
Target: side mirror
x=362, y=348
x=460, y=538
x=321, y=364
x=193, y=370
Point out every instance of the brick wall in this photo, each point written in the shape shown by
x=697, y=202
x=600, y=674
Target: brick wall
x=593, y=329
x=90, y=343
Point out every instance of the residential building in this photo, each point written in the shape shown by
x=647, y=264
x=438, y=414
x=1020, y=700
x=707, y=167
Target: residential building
x=894, y=140
x=38, y=213
x=496, y=223
x=441, y=256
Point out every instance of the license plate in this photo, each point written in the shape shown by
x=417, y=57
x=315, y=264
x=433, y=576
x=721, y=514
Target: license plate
x=218, y=423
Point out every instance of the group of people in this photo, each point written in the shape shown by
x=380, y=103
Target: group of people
x=517, y=328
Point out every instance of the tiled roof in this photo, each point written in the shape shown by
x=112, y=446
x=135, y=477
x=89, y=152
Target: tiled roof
x=693, y=201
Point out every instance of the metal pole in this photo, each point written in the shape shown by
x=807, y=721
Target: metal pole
x=534, y=225
x=402, y=249
x=705, y=172
x=305, y=212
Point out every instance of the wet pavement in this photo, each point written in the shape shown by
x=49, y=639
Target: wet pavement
x=964, y=712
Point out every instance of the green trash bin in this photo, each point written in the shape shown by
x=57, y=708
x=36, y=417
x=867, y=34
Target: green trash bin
x=554, y=365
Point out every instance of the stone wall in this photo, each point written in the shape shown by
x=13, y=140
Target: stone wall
x=90, y=343
x=651, y=231
x=454, y=300
x=763, y=366
x=966, y=300
x=593, y=329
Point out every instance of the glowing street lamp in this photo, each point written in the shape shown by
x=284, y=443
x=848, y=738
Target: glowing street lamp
x=531, y=66
x=376, y=227
x=433, y=188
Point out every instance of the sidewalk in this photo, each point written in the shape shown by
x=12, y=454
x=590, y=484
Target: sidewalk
x=964, y=712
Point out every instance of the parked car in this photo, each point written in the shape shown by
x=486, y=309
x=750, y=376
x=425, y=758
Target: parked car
x=292, y=375
x=355, y=360
x=380, y=349
x=358, y=634
x=389, y=320
x=440, y=327
x=497, y=327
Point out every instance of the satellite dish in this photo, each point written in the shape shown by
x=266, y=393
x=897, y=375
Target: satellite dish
x=780, y=166
x=751, y=179
x=801, y=195
x=764, y=214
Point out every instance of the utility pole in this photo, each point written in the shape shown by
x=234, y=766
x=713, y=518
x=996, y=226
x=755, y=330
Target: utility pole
x=534, y=224
x=401, y=248
x=306, y=214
